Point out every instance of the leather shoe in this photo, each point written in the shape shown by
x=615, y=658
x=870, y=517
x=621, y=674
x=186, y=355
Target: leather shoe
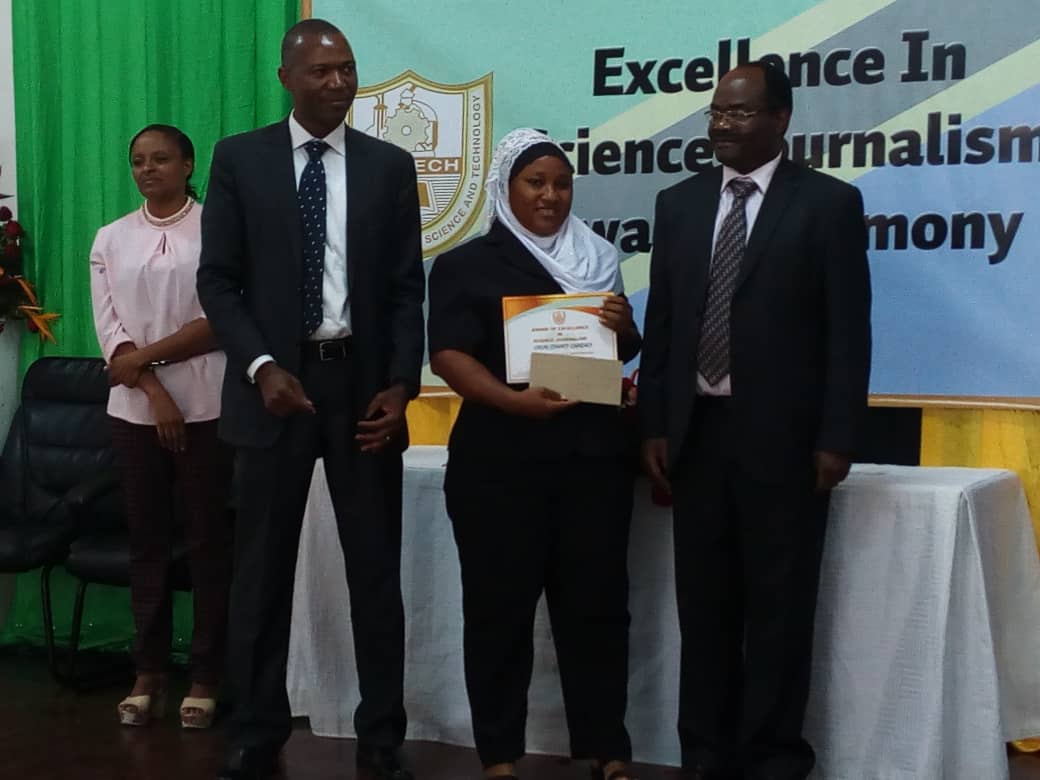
x=249, y=763
x=382, y=763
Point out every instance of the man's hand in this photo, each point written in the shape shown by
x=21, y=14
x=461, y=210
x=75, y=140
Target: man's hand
x=282, y=392
x=540, y=403
x=655, y=462
x=831, y=468
x=169, y=421
x=384, y=419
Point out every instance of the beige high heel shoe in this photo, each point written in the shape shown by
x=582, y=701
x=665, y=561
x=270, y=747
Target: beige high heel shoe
x=140, y=710
x=197, y=713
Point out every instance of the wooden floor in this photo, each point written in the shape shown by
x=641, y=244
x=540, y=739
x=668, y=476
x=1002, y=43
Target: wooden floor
x=47, y=733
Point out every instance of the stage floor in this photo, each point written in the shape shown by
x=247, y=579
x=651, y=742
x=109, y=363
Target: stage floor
x=47, y=732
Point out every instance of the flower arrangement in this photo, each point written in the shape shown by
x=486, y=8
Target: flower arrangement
x=18, y=299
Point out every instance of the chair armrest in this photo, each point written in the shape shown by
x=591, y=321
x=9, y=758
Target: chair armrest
x=85, y=493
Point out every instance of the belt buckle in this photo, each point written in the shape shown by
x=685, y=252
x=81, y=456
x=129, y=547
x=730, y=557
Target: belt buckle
x=331, y=350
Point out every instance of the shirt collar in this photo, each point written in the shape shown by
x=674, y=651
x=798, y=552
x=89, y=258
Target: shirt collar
x=761, y=176
x=337, y=139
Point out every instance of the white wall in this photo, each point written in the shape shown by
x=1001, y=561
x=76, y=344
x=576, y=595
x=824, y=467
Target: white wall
x=9, y=339
x=7, y=166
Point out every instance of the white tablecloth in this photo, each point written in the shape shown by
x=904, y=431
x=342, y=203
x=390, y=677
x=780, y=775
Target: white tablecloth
x=927, y=645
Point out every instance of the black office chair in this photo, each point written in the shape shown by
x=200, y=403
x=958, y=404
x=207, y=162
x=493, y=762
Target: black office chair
x=100, y=554
x=55, y=472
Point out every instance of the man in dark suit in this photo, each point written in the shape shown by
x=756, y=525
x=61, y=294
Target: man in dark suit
x=311, y=276
x=753, y=381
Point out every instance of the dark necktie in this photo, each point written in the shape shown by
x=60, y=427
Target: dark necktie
x=311, y=198
x=713, y=350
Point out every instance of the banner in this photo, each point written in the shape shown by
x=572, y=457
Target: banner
x=929, y=106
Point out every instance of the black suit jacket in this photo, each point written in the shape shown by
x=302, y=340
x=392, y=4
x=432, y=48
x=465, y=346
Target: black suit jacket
x=249, y=271
x=800, y=319
x=466, y=289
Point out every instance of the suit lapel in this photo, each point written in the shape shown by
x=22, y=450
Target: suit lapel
x=782, y=190
x=696, y=231
x=283, y=191
x=360, y=176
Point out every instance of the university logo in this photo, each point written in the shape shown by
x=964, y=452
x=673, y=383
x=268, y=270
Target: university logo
x=447, y=129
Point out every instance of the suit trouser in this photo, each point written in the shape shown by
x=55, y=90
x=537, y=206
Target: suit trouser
x=154, y=482
x=559, y=526
x=272, y=485
x=747, y=561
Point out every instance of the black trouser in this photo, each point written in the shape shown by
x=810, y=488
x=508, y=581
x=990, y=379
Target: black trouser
x=747, y=562
x=272, y=484
x=561, y=526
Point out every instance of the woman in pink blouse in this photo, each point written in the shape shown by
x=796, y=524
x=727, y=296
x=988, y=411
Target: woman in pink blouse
x=165, y=374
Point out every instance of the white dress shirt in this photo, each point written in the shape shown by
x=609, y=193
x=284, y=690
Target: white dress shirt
x=761, y=177
x=335, y=297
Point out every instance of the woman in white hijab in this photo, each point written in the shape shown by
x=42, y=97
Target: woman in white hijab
x=539, y=489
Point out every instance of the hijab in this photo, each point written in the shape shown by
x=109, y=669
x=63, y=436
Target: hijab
x=576, y=257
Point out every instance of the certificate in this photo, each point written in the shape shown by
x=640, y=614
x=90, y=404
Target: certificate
x=554, y=324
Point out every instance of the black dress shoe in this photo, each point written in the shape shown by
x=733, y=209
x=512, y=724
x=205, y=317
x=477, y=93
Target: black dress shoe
x=249, y=763
x=382, y=763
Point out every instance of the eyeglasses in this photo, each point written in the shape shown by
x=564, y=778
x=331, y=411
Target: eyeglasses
x=731, y=114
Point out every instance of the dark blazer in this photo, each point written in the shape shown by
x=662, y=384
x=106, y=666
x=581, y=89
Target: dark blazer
x=800, y=319
x=249, y=271
x=466, y=289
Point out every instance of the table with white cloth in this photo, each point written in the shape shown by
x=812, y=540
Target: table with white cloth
x=927, y=654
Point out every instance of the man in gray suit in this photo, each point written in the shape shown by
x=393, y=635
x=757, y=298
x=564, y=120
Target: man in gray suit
x=311, y=276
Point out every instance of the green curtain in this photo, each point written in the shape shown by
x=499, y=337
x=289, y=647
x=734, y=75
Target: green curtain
x=88, y=75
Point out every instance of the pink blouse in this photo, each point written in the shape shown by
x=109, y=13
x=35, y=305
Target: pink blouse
x=142, y=282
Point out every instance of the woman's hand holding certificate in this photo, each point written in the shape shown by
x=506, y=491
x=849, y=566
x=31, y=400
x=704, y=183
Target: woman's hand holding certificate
x=538, y=402
x=570, y=325
x=616, y=314
x=568, y=343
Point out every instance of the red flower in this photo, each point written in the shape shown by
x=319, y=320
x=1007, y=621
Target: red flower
x=31, y=326
x=5, y=214
x=13, y=229
x=11, y=250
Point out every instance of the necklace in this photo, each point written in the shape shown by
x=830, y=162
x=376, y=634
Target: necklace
x=173, y=219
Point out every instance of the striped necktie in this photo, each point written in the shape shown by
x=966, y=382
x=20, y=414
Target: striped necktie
x=713, y=350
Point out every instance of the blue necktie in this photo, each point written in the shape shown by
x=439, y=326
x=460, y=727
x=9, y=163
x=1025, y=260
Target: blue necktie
x=311, y=198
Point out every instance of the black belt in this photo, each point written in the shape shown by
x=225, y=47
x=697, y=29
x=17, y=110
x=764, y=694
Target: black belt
x=331, y=349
